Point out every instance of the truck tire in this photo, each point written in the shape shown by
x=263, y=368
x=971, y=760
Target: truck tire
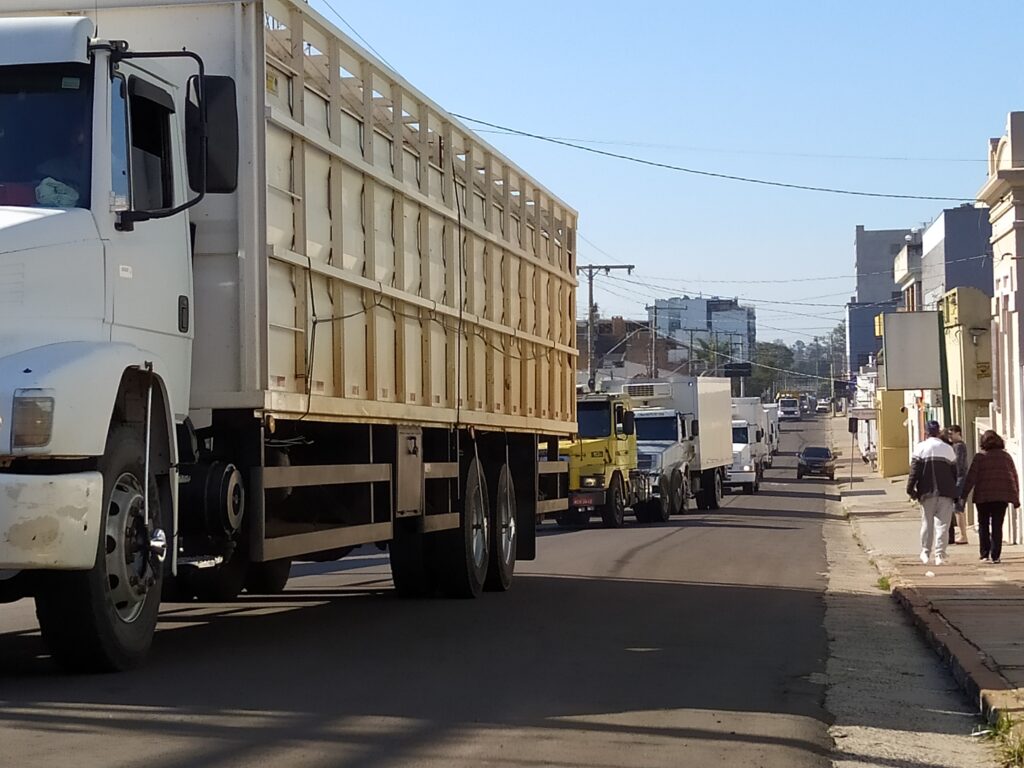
x=613, y=513
x=103, y=619
x=269, y=578
x=711, y=489
x=465, y=551
x=504, y=534
x=683, y=505
x=412, y=568
x=219, y=584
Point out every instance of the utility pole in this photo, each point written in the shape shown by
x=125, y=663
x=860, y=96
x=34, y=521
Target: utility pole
x=653, y=331
x=590, y=270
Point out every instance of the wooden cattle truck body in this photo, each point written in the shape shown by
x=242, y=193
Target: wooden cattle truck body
x=384, y=299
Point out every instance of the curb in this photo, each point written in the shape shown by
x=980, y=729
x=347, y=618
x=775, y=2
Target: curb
x=971, y=667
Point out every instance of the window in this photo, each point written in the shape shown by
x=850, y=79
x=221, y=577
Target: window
x=46, y=135
x=151, y=154
x=120, y=182
x=593, y=420
x=740, y=435
x=657, y=428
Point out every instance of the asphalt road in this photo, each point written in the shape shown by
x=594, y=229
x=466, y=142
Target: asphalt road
x=699, y=642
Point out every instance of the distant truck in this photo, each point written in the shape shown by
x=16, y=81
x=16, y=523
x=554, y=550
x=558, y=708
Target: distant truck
x=771, y=411
x=602, y=458
x=749, y=444
x=683, y=436
x=789, y=408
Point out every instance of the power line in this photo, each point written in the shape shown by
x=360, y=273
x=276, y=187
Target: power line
x=356, y=33
x=710, y=174
x=741, y=151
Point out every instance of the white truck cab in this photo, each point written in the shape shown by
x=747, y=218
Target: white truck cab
x=103, y=152
x=747, y=463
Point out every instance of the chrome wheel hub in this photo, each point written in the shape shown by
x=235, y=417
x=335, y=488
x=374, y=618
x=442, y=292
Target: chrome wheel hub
x=127, y=548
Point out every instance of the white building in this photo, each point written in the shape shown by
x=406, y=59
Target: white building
x=710, y=320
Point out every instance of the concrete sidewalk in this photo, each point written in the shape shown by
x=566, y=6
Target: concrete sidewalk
x=971, y=612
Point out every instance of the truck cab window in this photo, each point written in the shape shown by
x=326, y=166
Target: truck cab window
x=151, y=149
x=46, y=135
x=120, y=183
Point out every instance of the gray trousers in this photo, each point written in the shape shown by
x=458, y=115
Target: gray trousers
x=936, y=513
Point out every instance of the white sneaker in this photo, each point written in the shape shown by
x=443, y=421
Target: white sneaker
x=924, y=556
x=940, y=560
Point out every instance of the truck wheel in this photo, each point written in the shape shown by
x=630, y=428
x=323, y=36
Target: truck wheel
x=411, y=564
x=677, y=499
x=503, y=534
x=684, y=496
x=219, y=584
x=613, y=513
x=269, y=578
x=713, y=486
x=466, y=550
x=103, y=619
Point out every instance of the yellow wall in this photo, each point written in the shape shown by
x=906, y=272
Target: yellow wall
x=893, y=442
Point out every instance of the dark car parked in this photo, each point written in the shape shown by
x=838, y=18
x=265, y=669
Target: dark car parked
x=815, y=460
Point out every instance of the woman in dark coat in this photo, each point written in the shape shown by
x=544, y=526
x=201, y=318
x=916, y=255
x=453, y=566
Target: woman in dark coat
x=993, y=478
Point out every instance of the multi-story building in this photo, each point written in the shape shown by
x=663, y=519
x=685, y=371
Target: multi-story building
x=1003, y=193
x=877, y=292
x=907, y=273
x=956, y=253
x=724, y=323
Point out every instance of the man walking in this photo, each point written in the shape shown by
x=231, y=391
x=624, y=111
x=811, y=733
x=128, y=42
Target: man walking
x=932, y=482
x=959, y=523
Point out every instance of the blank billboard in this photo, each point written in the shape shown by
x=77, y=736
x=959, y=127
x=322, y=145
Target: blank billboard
x=910, y=344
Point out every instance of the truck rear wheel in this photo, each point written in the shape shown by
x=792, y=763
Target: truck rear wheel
x=269, y=578
x=104, y=619
x=466, y=550
x=711, y=489
x=613, y=513
x=503, y=534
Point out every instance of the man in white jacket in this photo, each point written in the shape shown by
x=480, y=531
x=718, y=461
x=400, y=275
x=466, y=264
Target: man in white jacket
x=932, y=482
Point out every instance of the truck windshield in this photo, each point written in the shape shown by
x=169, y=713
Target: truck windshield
x=657, y=428
x=739, y=435
x=789, y=404
x=595, y=419
x=45, y=135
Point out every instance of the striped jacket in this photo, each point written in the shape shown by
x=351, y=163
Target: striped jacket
x=993, y=477
x=932, y=470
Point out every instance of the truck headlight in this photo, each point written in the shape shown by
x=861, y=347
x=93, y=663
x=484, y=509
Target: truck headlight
x=746, y=467
x=32, y=421
x=596, y=481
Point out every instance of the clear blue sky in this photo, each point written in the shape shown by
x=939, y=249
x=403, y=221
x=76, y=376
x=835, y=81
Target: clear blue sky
x=740, y=88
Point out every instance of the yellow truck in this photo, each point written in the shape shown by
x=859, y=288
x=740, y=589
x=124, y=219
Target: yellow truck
x=603, y=473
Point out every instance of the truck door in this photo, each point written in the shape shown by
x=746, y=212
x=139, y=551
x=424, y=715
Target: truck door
x=150, y=267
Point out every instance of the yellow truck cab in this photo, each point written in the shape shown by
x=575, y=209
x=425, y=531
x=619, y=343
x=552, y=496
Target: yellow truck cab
x=603, y=474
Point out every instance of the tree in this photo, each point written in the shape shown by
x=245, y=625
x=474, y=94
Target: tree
x=713, y=354
x=769, y=359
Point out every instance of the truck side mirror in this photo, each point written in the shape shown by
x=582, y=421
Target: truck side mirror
x=695, y=428
x=219, y=94
x=628, y=423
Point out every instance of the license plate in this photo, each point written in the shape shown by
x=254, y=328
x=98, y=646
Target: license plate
x=584, y=500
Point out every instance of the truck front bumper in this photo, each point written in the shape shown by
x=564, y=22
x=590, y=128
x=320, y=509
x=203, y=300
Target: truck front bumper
x=586, y=499
x=50, y=521
x=739, y=478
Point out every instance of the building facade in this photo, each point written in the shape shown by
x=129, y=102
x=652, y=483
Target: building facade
x=877, y=292
x=955, y=253
x=697, y=321
x=1003, y=193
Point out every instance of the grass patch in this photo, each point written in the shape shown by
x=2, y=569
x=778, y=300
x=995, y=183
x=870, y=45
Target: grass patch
x=1010, y=745
x=883, y=584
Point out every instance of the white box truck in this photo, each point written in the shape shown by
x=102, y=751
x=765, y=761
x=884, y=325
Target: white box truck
x=749, y=444
x=260, y=300
x=683, y=442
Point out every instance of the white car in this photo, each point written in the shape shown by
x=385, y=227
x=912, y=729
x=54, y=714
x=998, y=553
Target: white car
x=824, y=406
